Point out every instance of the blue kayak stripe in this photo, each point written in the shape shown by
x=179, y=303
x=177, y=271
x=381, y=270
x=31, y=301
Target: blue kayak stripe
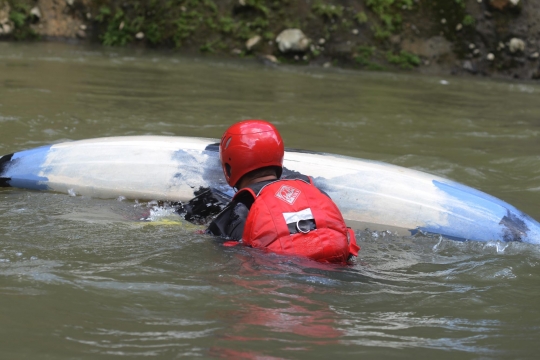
x=502, y=221
x=22, y=171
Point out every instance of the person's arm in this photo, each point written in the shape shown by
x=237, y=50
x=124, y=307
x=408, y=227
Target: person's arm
x=207, y=203
x=230, y=222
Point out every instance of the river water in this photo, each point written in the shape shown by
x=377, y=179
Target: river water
x=84, y=278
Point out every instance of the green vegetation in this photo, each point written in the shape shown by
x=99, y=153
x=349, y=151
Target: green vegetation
x=210, y=26
x=357, y=33
x=22, y=19
x=328, y=11
x=468, y=20
x=18, y=15
x=162, y=22
x=364, y=57
x=258, y=5
x=389, y=14
x=177, y=22
x=448, y=17
x=460, y=3
x=117, y=32
x=404, y=59
x=208, y=47
x=214, y=26
x=332, y=16
x=361, y=17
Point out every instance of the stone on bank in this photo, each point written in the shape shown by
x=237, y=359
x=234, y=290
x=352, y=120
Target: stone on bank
x=252, y=42
x=503, y=4
x=516, y=45
x=6, y=26
x=292, y=40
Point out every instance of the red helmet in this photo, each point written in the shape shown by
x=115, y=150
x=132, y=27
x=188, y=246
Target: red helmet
x=249, y=145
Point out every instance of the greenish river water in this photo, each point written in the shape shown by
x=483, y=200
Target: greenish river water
x=83, y=278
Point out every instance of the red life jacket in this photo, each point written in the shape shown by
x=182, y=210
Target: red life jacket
x=294, y=217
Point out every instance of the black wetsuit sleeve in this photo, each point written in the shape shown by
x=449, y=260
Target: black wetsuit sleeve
x=230, y=222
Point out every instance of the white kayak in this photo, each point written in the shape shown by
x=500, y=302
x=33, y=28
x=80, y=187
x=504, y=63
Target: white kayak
x=369, y=193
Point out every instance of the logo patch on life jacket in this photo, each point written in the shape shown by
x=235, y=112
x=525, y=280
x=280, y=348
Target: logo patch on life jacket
x=288, y=194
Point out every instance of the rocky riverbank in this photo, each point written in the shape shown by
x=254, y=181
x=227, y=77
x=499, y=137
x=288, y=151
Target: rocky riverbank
x=498, y=38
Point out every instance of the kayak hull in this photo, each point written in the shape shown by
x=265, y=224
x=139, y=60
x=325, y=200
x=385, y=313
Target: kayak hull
x=369, y=193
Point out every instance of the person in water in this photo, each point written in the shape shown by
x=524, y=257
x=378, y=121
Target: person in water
x=286, y=215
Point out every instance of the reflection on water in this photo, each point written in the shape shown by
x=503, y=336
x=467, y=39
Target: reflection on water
x=86, y=278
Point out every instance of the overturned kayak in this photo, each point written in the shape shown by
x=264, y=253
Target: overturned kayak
x=370, y=194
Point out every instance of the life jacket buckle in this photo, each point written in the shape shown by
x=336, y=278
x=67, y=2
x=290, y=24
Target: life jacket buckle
x=303, y=223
